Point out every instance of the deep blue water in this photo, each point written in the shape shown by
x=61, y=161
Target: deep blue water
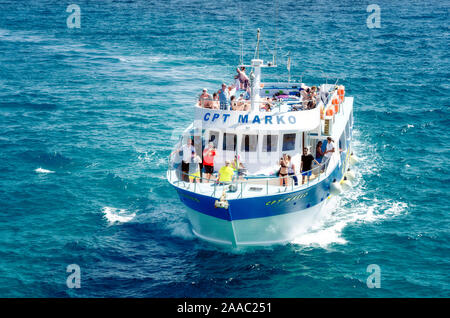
x=99, y=107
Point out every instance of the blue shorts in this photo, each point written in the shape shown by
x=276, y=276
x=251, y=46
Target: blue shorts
x=306, y=173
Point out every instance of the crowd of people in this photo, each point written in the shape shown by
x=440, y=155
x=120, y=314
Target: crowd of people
x=287, y=167
x=224, y=99
x=193, y=166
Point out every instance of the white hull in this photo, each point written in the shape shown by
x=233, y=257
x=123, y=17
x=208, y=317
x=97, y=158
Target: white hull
x=259, y=231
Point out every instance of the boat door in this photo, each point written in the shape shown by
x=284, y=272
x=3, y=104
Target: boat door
x=248, y=149
x=270, y=148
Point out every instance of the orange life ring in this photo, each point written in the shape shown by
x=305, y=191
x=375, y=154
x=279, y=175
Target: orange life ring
x=341, y=93
x=329, y=112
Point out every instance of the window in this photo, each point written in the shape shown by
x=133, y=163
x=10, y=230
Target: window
x=288, y=142
x=214, y=137
x=270, y=143
x=229, y=142
x=249, y=143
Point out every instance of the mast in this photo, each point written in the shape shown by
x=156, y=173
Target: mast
x=257, y=43
x=289, y=66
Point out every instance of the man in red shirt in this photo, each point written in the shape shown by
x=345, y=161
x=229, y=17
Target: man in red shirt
x=208, y=160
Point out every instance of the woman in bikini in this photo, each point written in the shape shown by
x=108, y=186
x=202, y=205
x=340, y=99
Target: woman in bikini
x=283, y=171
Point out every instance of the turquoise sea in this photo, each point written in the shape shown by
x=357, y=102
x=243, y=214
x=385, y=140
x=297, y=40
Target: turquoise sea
x=88, y=117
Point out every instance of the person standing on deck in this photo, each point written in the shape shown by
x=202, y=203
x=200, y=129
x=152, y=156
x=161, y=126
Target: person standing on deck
x=291, y=169
x=305, y=166
x=243, y=78
x=224, y=97
x=319, y=152
x=208, y=160
x=188, y=152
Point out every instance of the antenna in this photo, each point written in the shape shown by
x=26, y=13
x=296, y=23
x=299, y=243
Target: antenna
x=257, y=43
x=241, y=31
x=289, y=66
x=274, y=59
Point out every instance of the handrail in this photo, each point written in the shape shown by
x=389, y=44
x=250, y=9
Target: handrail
x=241, y=184
x=274, y=104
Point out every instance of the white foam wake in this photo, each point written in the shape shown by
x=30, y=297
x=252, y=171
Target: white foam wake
x=114, y=215
x=41, y=170
x=355, y=205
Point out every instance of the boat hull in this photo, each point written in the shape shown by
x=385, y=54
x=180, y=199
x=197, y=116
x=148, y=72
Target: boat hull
x=263, y=220
x=262, y=231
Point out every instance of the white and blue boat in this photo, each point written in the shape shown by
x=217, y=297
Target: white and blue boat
x=254, y=209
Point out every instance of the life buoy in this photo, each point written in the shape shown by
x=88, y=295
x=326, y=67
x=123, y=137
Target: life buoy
x=335, y=103
x=341, y=93
x=329, y=112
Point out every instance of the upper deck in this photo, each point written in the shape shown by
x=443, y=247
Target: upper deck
x=288, y=109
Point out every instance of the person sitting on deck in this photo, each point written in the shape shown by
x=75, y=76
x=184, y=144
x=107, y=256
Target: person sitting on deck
x=234, y=103
x=226, y=173
x=305, y=93
x=224, y=96
x=305, y=166
x=237, y=166
x=312, y=98
x=266, y=105
x=204, y=98
x=215, y=102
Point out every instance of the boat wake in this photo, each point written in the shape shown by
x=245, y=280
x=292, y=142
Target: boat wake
x=355, y=205
x=115, y=216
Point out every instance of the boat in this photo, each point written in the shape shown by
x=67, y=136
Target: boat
x=259, y=207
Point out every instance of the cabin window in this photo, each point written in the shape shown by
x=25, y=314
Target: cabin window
x=270, y=143
x=288, y=142
x=229, y=142
x=249, y=143
x=214, y=137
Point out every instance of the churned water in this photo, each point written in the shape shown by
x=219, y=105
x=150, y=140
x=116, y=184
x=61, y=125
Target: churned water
x=88, y=116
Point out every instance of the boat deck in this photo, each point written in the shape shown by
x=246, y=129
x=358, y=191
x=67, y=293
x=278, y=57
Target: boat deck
x=246, y=188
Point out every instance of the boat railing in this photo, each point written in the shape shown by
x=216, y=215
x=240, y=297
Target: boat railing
x=293, y=104
x=243, y=186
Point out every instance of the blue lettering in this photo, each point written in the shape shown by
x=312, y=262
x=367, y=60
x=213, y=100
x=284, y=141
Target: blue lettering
x=292, y=119
x=256, y=119
x=269, y=119
x=243, y=119
x=280, y=120
x=215, y=116
x=225, y=117
x=206, y=118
